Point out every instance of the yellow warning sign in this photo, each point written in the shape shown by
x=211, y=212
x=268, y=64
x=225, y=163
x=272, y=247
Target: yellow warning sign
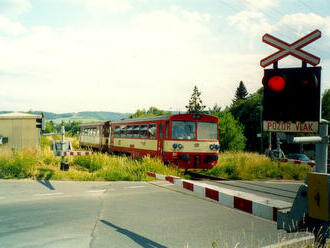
x=318, y=195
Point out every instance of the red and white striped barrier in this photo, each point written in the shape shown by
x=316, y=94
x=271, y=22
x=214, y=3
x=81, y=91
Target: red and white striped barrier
x=73, y=153
x=247, y=202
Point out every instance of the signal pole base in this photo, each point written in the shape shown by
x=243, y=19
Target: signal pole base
x=64, y=166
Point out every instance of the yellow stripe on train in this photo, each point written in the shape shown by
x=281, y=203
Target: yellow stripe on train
x=190, y=146
x=145, y=144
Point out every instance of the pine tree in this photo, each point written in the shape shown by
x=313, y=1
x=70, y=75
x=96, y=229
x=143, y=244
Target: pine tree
x=195, y=103
x=241, y=92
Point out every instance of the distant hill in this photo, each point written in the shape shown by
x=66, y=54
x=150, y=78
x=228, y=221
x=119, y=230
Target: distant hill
x=85, y=116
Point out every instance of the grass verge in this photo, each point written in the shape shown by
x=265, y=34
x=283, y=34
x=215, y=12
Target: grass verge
x=44, y=165
x=249, y=166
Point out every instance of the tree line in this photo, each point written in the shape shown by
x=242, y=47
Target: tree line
x=239, y=123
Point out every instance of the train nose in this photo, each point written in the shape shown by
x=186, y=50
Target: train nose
x=184, y=157
x=212, y=158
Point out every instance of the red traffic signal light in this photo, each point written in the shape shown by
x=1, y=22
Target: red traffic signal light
x=276, y=83
x=292, y=94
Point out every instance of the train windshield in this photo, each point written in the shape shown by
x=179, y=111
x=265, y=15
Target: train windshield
x=183, y=130
x=207, y=131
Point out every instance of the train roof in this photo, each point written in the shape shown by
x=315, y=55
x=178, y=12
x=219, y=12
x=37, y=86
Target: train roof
x=92, y=124
x=151, y=118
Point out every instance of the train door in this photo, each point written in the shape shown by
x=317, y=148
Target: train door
x=160, y=139
x=106, y=136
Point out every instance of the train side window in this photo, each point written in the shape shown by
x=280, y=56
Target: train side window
x=152, y=131
x=122, y=131
x=143, y=131
x=129, y=131
x=166, y=130
x=160, y=132
x=136, y=130
x=117, y=131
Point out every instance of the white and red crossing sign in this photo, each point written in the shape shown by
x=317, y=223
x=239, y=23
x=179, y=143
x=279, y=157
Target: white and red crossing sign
x=293, y=49
x=291, y=127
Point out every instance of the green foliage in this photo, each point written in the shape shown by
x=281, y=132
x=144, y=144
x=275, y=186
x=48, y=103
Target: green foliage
x=215, y=110
x=17, y=165
x=195, y=102
x=152, y=111
x=241, y=92
x=50, y=127
x=326, y=105
x=230, y=133
x=247, y=112
x=248, y=166
x=115, y=168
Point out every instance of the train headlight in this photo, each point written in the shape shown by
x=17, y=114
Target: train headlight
x=180, y=146
x=175, y=146
x=211, y=147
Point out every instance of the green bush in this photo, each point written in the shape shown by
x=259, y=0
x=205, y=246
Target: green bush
x=248, y=166
x=17, y=165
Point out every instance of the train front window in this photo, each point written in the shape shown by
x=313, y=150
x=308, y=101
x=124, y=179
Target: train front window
x=207, y=131
x=183, y=130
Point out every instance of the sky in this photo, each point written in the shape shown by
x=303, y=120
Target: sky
x=123, y=55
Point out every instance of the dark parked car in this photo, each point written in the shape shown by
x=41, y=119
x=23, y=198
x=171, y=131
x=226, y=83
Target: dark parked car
x=299, y=156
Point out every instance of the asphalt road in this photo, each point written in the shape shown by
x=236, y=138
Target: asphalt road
x=122, y=214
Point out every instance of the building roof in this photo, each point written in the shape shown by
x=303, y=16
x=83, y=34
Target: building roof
x=19, y=116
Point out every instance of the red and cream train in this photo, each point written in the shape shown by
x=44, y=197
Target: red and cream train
x=187, y=140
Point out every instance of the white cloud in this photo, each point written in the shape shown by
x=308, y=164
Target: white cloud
x=108, y=5
x=10, y=28
x=14, y=7
x=154, y=60
x=251, y=22
x=303, y=23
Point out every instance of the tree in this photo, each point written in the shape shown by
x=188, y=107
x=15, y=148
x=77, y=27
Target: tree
x=231, y=135
x=241, y=92
x=195, y=102
x=50, y=127
x=326, y=105
x=215, y=110
x=152, y=111
x=248, y=112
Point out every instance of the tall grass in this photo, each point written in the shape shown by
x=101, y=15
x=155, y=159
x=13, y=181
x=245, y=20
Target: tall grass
x=114, y=168
x=18, y=165
x=44, y=165
x=248, y=166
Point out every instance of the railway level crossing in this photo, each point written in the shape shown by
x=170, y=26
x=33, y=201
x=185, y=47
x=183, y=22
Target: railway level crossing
x=63, y=148
x=292, y=105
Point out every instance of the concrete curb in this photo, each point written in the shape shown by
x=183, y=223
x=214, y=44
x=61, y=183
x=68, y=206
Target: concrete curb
x=256, y=205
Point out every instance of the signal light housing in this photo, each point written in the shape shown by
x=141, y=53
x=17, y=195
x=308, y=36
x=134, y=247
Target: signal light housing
x=41, y=123
x=292, y=94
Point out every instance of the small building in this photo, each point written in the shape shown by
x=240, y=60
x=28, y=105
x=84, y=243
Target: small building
x=18, y=131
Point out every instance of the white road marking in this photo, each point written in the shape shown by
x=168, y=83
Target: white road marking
x=49, y=194
x=96, y=191
x=290, y=242
x=135, y=187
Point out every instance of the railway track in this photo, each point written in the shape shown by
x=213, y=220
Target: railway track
x=272, y=189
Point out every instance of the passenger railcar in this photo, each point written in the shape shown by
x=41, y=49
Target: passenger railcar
x=187, y=140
